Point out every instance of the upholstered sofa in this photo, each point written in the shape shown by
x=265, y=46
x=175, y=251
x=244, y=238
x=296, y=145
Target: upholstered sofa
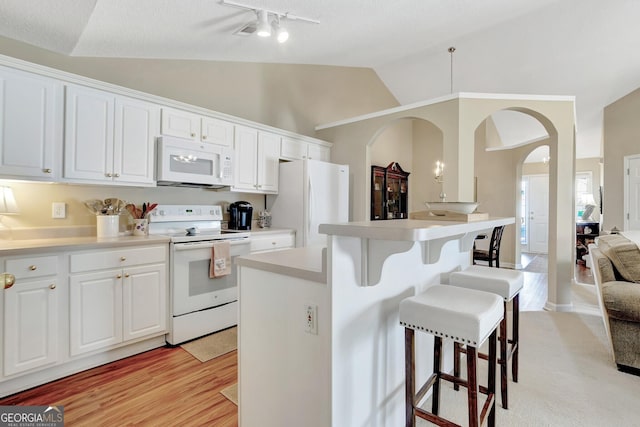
x=615, y=261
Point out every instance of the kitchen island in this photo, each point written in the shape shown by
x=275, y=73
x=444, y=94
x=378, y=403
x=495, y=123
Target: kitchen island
x=319, y=339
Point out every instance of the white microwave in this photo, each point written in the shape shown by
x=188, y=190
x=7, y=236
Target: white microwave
x=186, y=163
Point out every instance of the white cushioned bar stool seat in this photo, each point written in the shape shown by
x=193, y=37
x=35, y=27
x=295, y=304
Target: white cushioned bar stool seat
x=507, y=284
x=466, y=316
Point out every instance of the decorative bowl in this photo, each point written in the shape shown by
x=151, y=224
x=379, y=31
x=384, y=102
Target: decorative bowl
x=441, y=208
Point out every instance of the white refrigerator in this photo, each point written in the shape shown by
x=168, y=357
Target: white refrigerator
x=310, y=193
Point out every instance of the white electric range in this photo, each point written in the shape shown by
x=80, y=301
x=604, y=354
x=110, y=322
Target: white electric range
x=199, y=305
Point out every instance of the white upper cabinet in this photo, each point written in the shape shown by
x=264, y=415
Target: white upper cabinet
x=109, y=138
x=184, y=124
x=297, y=149
x=31, y=111
x=257, y=158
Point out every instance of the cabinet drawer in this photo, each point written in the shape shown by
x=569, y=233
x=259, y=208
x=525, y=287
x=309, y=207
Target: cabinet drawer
x=98, y=260
x=25, y=268
x=272, y=242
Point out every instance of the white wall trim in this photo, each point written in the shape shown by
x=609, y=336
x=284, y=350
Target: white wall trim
x=549, y=306
x=625, y=194
x=461, y=95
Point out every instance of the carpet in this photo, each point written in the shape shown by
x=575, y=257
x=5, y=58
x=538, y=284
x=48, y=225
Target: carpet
x=567, y=377
x=231, y=393
x=213, y=345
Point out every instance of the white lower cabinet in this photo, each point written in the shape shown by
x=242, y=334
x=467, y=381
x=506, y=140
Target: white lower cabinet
x=116, y=296
x=32, y=308
x=272, y=240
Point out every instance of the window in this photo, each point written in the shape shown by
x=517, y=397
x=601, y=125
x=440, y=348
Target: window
x=584, y=192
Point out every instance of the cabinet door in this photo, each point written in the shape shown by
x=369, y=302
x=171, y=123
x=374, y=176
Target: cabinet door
x=293, y=149
x=318, y=152
x=30, y=325
x=217, y=132
x=95, y=311
x=136, y=125
x=268, y=162
x=180, y=123
x=246, y=166
x=31, y=125
x=88, y=141
x=144, y=301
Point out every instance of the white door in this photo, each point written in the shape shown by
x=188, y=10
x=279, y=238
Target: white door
x=136, y=125
x=144, y=293
x=30, y=325
x=88, y=139
x=538, y=213
x=632, y=196
x=95, y=317
x=268, y=161
x=30, y=124
x=246, y=158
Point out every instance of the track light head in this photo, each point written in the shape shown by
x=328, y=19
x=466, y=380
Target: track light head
x=282, y=34
x=264, y=28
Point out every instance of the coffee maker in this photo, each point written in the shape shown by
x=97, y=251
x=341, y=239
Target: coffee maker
x=240, y=215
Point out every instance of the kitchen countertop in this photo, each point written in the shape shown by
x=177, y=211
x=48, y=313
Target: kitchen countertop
x=308, y=263
x=10, y=247
x=270, y=230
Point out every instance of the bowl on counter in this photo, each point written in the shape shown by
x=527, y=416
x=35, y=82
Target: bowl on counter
x=441, y=208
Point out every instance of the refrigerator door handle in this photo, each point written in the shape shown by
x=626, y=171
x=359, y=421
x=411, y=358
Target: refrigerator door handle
x=311, y=208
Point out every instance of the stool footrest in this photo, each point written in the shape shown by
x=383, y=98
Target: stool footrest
x=425, y=388
x=439, y=421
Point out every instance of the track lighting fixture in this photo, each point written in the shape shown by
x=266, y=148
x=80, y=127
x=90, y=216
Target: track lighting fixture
x=263, y=28
x=267, y=22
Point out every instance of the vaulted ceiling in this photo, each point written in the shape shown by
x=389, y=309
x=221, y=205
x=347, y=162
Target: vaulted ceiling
x=583, y=48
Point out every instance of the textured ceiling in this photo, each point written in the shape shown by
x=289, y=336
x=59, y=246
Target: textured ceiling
x=583, y=48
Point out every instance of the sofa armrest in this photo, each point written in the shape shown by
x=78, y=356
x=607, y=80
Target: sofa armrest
x=622, y=300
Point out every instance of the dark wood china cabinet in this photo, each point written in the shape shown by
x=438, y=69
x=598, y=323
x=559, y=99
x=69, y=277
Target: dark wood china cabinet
x=389, y=192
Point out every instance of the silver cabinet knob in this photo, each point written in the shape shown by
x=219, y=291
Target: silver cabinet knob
x=204, y=137
x=193, y=135
x=119, y=276
x=117, y=175
x=126, y=275
x=46, y=170
x=123, y=258
x=108, y=175
x=33, y=268
x=52, y=286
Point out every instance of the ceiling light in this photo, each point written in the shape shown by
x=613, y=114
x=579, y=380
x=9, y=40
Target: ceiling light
x=262, y=26
x=264, y=29
x=282, y=33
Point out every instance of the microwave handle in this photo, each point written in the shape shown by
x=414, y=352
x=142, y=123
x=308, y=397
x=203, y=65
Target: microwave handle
x=220, y=168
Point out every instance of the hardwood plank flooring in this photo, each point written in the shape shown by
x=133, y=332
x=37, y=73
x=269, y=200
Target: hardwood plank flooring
x=166, y=386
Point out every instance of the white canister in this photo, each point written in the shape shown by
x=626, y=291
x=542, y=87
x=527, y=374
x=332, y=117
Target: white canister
x=107, y=225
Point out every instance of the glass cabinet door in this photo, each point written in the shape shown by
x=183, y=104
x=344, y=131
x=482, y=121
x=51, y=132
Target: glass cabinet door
x=389, y=192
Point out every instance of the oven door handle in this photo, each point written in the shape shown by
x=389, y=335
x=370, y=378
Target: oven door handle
x=208, y=244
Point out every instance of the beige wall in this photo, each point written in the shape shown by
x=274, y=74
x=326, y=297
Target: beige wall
x=621, y=138
x=290, y=97
x=427, y=150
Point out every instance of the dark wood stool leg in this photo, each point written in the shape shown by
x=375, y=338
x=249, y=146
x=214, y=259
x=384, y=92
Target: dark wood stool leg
x=504, y=359
x=456, y=363
x=516, y=337
x=437, y=369
x=409, y=368
x=491, y=381
x=472, y=386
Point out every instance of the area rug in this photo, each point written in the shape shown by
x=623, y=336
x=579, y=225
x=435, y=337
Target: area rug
x=231, y=393
x=213, y=345
x=567, y=377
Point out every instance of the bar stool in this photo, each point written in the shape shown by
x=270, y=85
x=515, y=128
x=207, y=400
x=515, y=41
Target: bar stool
x=466, y=316
x=507, y=284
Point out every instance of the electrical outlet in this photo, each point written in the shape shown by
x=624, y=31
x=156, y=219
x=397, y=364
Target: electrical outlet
x=58, y=210
x=311, y=319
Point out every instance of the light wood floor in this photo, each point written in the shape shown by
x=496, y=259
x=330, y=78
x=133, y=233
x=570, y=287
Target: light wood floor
x=169, y=387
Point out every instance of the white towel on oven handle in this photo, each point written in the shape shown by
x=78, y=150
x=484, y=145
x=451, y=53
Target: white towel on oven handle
x=220, y=264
